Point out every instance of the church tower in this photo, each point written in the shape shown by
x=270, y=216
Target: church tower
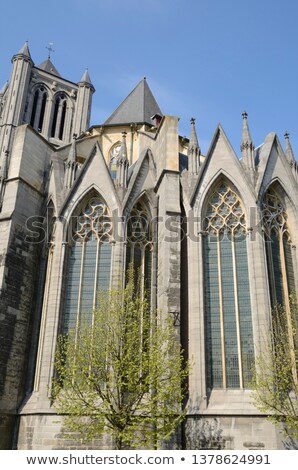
x=36, y=102
x=38, y=95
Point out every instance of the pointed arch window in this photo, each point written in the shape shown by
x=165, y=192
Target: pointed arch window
x=89, y=263
x=228, y=322
x=140, y=245
x=39, y=108
x=59, y=117
x=278, y=247
x=114, y=161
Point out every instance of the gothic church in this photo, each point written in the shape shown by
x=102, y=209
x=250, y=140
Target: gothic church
x=67, y=192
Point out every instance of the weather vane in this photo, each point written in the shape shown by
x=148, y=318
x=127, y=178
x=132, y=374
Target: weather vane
x=50, y=49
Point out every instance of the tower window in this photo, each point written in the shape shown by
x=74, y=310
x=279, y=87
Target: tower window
x=38, y=109
x=59, y=117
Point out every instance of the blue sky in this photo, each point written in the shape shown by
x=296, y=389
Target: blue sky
x=211, y=59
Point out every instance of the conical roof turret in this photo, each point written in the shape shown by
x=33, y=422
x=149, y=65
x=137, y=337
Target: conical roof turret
x=86, y=78
x=86, y=81
x=24, y=52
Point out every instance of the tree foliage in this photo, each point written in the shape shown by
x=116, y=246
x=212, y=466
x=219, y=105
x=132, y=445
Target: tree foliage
x=124, y=374
x=275, y=382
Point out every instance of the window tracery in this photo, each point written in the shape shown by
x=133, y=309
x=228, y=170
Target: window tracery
x=140, y=244
x=229, y=341
x=225, y=212
x=89, y=263
x=278, y=247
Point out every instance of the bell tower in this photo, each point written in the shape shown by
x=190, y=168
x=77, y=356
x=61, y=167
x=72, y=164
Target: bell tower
x=38, y=95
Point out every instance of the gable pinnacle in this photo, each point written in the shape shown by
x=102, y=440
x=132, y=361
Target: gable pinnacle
x=246, y=137
x=194, y=151
x=71, y=164
x=289, y=150
x=247, y=147
x=123, y=162
x=123, y=148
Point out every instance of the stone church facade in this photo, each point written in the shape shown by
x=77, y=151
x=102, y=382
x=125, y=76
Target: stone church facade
x=67, y=194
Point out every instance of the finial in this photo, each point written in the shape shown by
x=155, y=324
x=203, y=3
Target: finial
x=192, y=120
x=145, y=78
x=244, y=115
x=50, y=49
x=289, y=151
x=124, y=133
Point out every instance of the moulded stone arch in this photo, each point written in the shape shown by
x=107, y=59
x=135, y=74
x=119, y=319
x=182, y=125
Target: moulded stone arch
x=74, y=209
x=141, y=203
x=135, y=186
x=227, y=292
x=202, y=201
x=88, y=263
x=60, y=120
x=279, y=223
x=35, y=105
x=139, y=236
x=279, y=188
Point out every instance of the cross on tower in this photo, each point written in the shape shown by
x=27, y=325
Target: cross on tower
x=50, y=49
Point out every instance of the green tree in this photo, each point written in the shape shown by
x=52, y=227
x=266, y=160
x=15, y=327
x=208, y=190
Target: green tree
x=124, y=374
x=275, y=382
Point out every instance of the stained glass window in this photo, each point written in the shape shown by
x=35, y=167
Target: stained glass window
x=89, y=263
x=229, y=337
x=139, y=245
x=278, y=247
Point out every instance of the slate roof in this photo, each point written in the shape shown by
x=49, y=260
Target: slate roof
x=48, y=66
x=138, y=107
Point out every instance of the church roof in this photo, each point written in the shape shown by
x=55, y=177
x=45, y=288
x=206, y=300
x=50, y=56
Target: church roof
x=138, y=107
x=48, y=66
